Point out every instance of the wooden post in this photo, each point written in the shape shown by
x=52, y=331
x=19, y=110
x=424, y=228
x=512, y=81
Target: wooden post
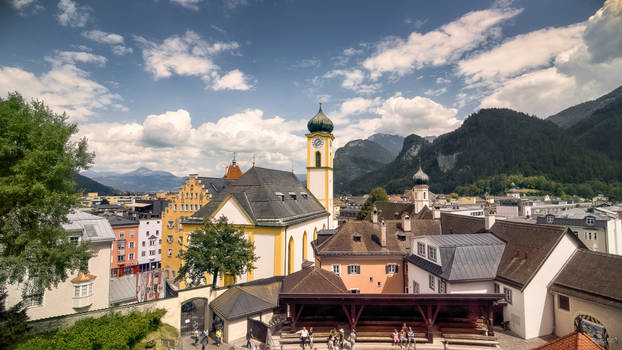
x=491, y=330
x=345, y=310
x=430, y=323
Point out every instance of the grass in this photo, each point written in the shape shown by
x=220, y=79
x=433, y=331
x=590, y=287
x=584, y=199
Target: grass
x=164, y=331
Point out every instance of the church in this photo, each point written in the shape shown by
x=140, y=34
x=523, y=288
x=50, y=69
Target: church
x=276, y=211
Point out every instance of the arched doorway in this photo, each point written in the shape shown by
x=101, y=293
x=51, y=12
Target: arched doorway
x=290, y=256
x=193, y=313
x=304, y=246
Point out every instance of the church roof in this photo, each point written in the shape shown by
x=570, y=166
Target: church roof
x=420, y=177
x=269, y=197
x=233, y=171
x=320, y=123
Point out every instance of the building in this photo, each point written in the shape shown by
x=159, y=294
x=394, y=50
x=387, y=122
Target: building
x=193, y=194
x=460, y=263
x=599, y=229
x=320, y=162
x=125, y=247
x=421, y=190
x=80, y=292
x=369, y=255
x=277, y=213
x=587, y=296
x=149, y=244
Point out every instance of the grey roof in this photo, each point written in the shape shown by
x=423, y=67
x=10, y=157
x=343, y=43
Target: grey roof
x=122, y=289
x=247, y=300
x=259, y=192
x=91, y=227
x=214, y=185
x=116, y=220
x=464, y=256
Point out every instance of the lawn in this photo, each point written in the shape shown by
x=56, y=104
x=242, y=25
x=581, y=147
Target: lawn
x=164, y=331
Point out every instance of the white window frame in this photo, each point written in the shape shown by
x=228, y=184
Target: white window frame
x=130, y=256
x=336, y=268
x=354, y=269
x=421, y=248
x=416, y=288
x=508, y=295
x=431, y=256
x=392, y=269
x=431, y=282
x=83, y=290
x=131, y=245
x=590, y=220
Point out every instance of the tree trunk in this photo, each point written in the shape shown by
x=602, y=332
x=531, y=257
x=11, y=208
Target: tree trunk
x=214, y=279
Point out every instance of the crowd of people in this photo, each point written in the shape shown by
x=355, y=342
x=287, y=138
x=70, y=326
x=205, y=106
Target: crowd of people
x=404, y=338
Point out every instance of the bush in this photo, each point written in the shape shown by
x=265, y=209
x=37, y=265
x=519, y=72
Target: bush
x=113, y=331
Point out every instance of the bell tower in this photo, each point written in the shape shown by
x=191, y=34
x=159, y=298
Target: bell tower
x=320, y=161
x=421, y=190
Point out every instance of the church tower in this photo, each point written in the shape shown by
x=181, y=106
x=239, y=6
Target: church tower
x=320, y=161
x=421, y=190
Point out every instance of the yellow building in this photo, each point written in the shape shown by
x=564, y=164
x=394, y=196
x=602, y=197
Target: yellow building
x=193, y=194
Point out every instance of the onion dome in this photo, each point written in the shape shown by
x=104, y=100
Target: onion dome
x=320, y=123
x=420, y=177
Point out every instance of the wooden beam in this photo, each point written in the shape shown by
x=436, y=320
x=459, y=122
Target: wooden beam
x=345, y=309
x=358, y=315
x=299, y=312
x=422, y=314
x=438, y=307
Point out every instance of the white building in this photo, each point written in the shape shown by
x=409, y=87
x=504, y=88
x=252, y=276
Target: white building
x=150, y=244
x=80, y=292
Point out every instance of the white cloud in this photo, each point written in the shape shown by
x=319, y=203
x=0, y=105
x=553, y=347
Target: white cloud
x=189, y=4
x=576, y=64
x=103, y=37
x=441, y=46
x=169, y=142
x=25, y=7
x=441, y=80
x=234, y=80
x=353, y=80
x=121, y=50
x=71, y=14
x=435, y=92
x=190, y=55
x=65, y=88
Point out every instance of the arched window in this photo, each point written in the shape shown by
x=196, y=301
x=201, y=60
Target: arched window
x=290, y=256
x=318, y=159
x=304, y=246
x=424, y=195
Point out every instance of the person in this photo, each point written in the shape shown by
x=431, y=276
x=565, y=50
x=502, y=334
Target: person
x=402, y=338
x=331, y=339
x=304, y=335
x=311, y=338
x=205, y=339
x=396, y=337
x=411, y=336
x=341, y=338
x=352, y=339
x=249, y=335
x=218, y=337
x=195, y=336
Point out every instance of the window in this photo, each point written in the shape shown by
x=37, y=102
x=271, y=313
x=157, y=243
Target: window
x=180, y=239
x=120, y=258
x=432, y=280
x=589, y=236
x=497, y=290
x=160, y=241
x=550, y=219
x=169, y=238
x=82, y=291
x=34, y=299
x=354, y=269
x=74, y=239
x=337, y=269
x=147, y=233
x=121, y=234
x=563, y=302
x=143, y=243
x=131, y=256
x=174, y=207
x=391, y=268
x=121, y=245
x=131, y=244
x=595, y=236
x=132, y=233
x=157, y=232
x=173, y=273
x=151, y=242
x=355, y=291
x=159, y=251
x=180, y=252
x=415, y=287
x=421, y=248
x=143, y=253
x=508, y=295
x=442, y=287
x=170, y=224
x=152, y=252
x=318, y=159
x=170, y=252
x=432, y=253
x=589, y=220
x=127, y=271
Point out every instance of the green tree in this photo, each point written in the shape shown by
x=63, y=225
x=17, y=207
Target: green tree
x=37, y=159
x=218, y=247
x=13, y=322
x=377, y=194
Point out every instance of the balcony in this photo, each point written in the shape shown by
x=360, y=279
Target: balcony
x=82, y=291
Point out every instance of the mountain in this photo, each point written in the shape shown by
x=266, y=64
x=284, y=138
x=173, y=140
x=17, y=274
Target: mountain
x=490, y=142
x=358, y=157
x=392, y=143
x=573, y=115
x=86, y=185
x=139, y=180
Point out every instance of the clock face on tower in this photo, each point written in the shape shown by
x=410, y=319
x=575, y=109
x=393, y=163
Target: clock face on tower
x=318, y=142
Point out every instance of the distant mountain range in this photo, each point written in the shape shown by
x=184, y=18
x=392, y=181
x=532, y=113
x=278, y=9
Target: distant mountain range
x=87, y=185
x=139, y=180
x=578, y=145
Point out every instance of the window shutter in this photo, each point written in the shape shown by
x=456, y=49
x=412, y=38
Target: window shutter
x=386, y=269
x=397, y=268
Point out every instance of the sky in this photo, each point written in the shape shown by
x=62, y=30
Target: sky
x=180, y=85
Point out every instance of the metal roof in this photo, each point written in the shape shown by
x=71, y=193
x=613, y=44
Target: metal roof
x=246, y=300
x=122, y=289
x=92, y=228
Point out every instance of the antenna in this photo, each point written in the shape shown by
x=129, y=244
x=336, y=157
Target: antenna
x=253, y=160
x=292, y=166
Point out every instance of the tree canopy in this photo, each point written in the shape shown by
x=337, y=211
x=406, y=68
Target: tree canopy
x=377, y=194
x=38, y=156
x=217, y=248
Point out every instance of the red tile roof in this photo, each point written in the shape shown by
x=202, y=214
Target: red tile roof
x=578, y=341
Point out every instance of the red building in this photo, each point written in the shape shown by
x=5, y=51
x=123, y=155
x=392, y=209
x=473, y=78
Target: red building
x=125, y=247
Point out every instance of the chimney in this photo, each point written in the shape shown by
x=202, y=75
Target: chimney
x=489, y=216
x=436, y=213
x=374, y=214
x=383, y=234
x=406, y=223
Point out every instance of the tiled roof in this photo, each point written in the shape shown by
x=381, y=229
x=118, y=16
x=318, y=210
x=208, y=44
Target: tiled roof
x=116, y=220
x=245, y=300
x=214, y=185
x=573, y=341
x=393, y=210
x=592, y=275
x=458, y=224
x=313, y=280
x=464, y=256
x=527, y=248
x=82, y=277
x=233, y=171
x=343, y=243
x=264, y=194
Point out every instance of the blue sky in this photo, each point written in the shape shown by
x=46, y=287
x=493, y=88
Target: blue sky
x=179, y=85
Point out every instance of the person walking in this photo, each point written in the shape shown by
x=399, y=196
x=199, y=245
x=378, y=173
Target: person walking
x=304, y=335
x=249, y=336
x=311, y=338
x=218, y=337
